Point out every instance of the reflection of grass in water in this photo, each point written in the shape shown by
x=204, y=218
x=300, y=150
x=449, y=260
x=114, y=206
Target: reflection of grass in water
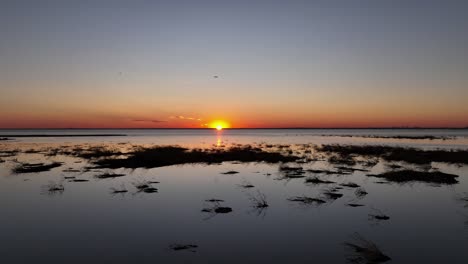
x=463, y=198
x=364, y=251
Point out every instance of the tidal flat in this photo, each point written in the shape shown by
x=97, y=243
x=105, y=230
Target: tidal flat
x=292, y=196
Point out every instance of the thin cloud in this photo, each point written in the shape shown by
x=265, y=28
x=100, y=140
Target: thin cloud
x=149, y=120
x=186, y=118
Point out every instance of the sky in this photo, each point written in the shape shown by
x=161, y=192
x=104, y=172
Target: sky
x=161, y=64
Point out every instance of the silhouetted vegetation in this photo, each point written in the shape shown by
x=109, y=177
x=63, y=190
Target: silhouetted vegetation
x=65, y=135
x=259, y=200
x=332, y=193
x=230, y=172
x=71, y=170
x=54, y=188
x=35, y=167
x=360, y=193
x=78, y=180
x=410, y=155
x=160, y=156
x=402, y=176
x=187, y=247
x=8, y=153
x=316, y=180
x=246, y=184
x=145, y=186
x=4, y=138
x=107, y=175
x=291, y=172
x=343, y=168
x=329, y=172
x=350, y=185
x=354, y=205
x=307, y=200
x=216, y=207
x=378, y=215
x=120, y=190
x=364, y=251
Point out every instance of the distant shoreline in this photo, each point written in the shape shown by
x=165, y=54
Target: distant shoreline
x=5, y=137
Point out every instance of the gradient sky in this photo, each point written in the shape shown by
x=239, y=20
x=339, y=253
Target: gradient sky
x=67, y=64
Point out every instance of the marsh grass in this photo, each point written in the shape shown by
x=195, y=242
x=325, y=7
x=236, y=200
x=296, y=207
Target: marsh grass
x=316, y=180
x=119, y=190
x=350, y=185
x=259, y=200
x=259, y=203
x=378, y=215
x=364, y=251
x=109, y=175
x=230, y=172
x=160, y=156
x=332, y=194
x=403, y=176
x=246, y=184
x=145, y=186
x=388, y=153
x=288, y=172
x=214, y=208
x=54, y=188
x=78, y=180
x=184, y=247
x=305, y=200
x=360, y=193
x=35, y=167
x=354, y=205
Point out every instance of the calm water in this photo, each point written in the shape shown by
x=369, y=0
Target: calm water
x=88, y=224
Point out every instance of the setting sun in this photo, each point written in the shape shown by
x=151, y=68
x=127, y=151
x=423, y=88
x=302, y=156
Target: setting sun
x=219, y=124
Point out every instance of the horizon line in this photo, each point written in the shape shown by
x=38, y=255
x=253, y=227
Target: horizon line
x=233, y=128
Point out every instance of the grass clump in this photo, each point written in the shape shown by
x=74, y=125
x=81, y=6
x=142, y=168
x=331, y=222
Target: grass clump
x=35, y=167
x=107, y=175
x=350, y=185
x=360, y=193
x=54, y=188
x=402, y=176
x=183, y=247
x=307, y=200
x=230, y=172
x=364, y=251
x=316, y=180
x=388, y=153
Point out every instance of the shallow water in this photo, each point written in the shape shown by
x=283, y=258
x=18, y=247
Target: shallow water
x=86, y=223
